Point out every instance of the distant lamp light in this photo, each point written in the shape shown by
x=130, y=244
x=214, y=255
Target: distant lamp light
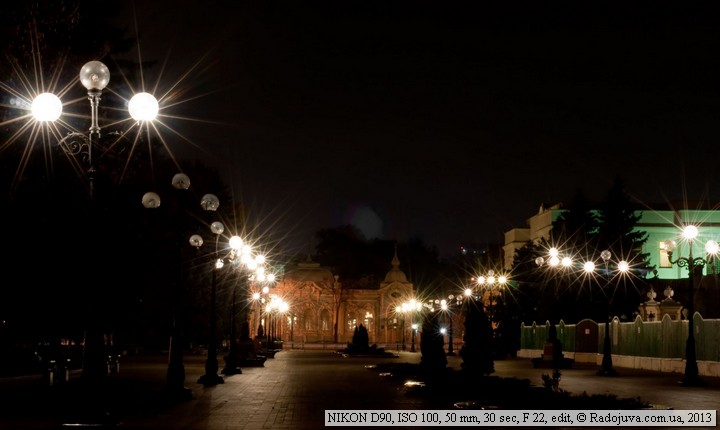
x=236, y=242
x=624, y=266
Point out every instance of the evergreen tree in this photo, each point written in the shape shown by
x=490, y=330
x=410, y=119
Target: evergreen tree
x=476, y=351
x=432, y=344
x=617, y=233
x=575, y=228
x=360, y=340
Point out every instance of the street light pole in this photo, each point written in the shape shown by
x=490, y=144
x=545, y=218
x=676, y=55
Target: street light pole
x=489, y=283
x=210, y=203
x=400, y=310
x=414, y=327
x=47, y=107
x=690, y=232
x=607, y=365
x=231, y=362
x=554, y=260
x=175, y=379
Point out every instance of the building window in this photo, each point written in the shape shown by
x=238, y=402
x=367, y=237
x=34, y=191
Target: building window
x=325, y=320
x=664, y=258
x=713, y=265
x=368, y=322
x=309, y=320
x=351, y=322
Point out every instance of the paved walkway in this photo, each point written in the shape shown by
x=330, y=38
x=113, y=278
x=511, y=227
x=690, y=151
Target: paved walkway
x=292, y=391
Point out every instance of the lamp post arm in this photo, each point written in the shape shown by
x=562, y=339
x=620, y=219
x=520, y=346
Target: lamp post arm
x=698, y=261
x=689, y=262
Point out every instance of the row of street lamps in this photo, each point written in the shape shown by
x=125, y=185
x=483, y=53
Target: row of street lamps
x=143, y=108
x=409, y=307
x=488, y=283
x=557, y=261
x=621, y=268
x=47, y=108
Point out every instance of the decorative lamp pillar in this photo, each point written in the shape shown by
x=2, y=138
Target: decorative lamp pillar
x=175, y=375
x=210, y=203
x=690, y=232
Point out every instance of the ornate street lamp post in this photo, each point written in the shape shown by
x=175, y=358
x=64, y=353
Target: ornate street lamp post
x=405, y=308
x=414, y=327
x=492, y=283
x=80, y=146
x=622, y=267
x=400, y=311
x=446, y=307
x=250, y=269
x=276, y=307
x=554, y=260
x=175, y=378
x=210, y=203
x=689, y=233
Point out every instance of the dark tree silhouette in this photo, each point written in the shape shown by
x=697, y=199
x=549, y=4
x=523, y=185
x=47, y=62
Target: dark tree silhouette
x=432, y=344
x=360, y=340
x=476, y=351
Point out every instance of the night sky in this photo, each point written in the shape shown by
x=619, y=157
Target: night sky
x=437, y=119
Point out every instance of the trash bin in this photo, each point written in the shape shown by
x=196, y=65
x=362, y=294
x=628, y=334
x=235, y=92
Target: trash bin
x=57, y=371
x=65, y=371
x=49, y=372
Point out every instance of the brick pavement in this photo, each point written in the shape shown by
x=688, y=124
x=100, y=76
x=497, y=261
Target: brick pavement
x=292, y=391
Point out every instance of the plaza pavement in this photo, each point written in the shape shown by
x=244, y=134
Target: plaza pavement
x=291, y=391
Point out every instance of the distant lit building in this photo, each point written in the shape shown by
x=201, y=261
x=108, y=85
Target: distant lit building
x=318, y=300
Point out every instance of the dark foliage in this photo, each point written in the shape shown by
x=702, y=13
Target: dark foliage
x=576, y=226
x=432, y=345
x=360, y=339
x=476, y=351
x=360, y=345
x=585, y=230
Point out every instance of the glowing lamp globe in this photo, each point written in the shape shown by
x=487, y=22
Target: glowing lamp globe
x=143, y=107
x=46, y=107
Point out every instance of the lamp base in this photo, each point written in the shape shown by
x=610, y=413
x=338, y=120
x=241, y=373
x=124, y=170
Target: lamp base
x=608, y=372
x=210, y=379
x=693, y=381
x=231, y=369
